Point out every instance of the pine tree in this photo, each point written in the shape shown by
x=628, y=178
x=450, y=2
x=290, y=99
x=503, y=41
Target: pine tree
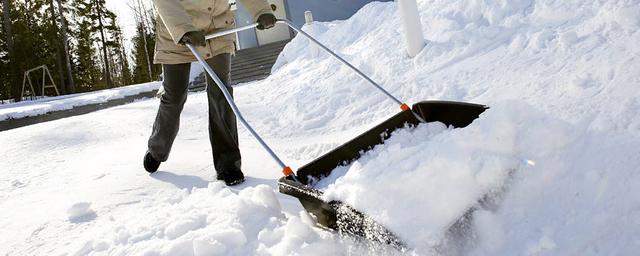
x=86, y=70
x=23, y=26
x=65, y=44
x=9, y=88
x=36, y=41
x=119, y=60
x=140, y=68
x=79, y=39
x=144, y=45
x=127, y=76
x=56, y=40
x=156, y=69
x=32, y=35
x=103, y=24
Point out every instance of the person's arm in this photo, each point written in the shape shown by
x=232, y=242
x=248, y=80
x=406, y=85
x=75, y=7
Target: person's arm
x=256, y=8
x=175, y=18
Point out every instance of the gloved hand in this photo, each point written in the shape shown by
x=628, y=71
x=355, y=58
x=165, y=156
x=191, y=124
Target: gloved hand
x=266, y=21
x=195, y=38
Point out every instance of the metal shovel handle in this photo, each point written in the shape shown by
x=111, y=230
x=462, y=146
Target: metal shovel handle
x=286, y=170
x=403, y=105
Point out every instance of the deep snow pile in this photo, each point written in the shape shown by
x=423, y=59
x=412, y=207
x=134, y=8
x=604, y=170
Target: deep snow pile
x=576, y=60
x=562, y=80
x=424, y=179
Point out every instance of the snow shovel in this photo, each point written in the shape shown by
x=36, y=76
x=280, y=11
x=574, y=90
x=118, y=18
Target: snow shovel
x=337, y=215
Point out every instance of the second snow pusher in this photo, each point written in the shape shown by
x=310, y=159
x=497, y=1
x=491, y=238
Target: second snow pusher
x=334, y=214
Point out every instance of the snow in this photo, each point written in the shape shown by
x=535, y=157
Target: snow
x=324, y=11
x=53, y=170
x=431, y=167
x=558, y=149
x=80, y=212
x=196, y=70
x=65, y=102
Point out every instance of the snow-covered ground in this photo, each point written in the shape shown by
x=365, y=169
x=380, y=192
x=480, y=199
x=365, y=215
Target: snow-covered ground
x=562, y=79
x=64, y=102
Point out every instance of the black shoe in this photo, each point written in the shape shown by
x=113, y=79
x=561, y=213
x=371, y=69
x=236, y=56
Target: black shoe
x=231, y=178
x=150, y=164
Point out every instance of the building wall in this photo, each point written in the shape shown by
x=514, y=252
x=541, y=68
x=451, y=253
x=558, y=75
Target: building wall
x=247, y=38
x=279, y=32
x=325, y=10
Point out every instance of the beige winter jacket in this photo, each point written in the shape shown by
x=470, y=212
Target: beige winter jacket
x=177, y=17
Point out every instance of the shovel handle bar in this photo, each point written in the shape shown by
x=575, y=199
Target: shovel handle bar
x=286, y=170
x=403, y=105
x=230, y=31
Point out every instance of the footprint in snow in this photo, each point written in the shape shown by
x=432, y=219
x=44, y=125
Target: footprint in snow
x=18, y=184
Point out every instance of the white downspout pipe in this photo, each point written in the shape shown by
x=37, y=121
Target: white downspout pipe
x=412, y=26
x=308, y=17
x=308, y=20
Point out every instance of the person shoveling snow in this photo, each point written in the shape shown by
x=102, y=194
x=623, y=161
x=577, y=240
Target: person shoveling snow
x=183, y=24
x=456, y=114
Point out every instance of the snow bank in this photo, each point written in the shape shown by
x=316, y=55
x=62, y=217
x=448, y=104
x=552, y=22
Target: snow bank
x=51, y=104
x=573, y=59
x=561, y=78
x=422, y=180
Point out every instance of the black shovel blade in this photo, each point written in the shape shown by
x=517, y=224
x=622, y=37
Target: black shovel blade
x=456, y=114
x=337, y=215
x=343, y=218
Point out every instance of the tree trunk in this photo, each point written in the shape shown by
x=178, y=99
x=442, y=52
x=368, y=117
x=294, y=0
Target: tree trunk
x=104, y=45
x=15, y=84
x=114, y=68
x=126, y=73
x=65, y=39
x=144, y=36
x=146, y=50
x=55, y=41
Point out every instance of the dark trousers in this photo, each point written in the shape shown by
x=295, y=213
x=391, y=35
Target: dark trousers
x=223, y=131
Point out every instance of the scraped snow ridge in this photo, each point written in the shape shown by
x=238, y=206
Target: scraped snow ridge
x=210, y=221
x=561, y=78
